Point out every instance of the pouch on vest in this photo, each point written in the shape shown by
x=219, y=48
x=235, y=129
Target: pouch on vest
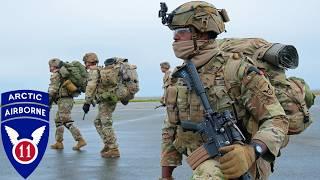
x=70, y=86
x=110, y=98
x=109, y=76
x=171, y=99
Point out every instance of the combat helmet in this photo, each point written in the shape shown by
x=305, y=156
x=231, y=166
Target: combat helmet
x=90, y=57
x=198, y=17
x=165, y=64
x=55, y=62
x=202, y=16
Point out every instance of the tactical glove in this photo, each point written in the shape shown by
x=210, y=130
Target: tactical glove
x=86, y=108
x=237, y=160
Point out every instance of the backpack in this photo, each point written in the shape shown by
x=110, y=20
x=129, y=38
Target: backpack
x=273, y=59
x=128, y=82
x=75, y=76
x=109, y=75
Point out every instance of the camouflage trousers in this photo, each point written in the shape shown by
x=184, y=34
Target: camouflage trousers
x=209, y=170
x=103, y=124
x=63, y=119
x=169, y=154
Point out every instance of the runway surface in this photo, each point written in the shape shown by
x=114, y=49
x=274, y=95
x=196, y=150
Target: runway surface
x=138, y=127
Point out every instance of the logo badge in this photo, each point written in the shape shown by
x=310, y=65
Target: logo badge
x=25, y=128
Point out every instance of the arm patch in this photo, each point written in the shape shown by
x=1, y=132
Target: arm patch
x=254, y=69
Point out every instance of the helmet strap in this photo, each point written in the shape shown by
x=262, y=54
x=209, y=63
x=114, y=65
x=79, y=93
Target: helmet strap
x=195, y=45
x=197, y=48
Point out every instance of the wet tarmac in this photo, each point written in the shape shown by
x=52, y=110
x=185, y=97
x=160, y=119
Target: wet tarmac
x=138, y=127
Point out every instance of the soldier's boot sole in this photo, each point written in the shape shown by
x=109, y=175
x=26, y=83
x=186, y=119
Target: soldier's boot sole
x=57, y=145
x=79, y=145
x=112, y=153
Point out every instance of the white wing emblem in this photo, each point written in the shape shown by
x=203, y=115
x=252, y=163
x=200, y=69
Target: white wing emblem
x=37, y=134
x=13, y=135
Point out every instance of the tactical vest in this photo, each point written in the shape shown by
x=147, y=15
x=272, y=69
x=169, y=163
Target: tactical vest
x=223, y=90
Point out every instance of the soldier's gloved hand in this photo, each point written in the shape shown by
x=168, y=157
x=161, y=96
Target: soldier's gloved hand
x=237, y=160
x=86, y=108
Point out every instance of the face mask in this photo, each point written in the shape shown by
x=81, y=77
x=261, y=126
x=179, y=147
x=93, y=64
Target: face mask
x=183, y=50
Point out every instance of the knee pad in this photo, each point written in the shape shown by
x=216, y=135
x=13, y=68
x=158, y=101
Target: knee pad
x=58, y=124
x=68, y=124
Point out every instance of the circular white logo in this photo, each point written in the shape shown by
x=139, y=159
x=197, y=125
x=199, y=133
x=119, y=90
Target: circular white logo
x=25, y=151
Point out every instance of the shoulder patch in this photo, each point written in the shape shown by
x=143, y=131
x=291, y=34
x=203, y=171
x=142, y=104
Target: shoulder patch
x=254, y=69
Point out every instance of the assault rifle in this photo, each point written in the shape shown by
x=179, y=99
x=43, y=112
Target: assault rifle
x=219, y=129
x=159, y=106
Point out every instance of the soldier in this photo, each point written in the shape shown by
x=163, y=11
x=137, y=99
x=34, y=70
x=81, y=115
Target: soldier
x=165, y=68
x=104, y=95
x=64, y=99
x=232, y=83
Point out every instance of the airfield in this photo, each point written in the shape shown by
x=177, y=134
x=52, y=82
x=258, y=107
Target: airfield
x=138, y=127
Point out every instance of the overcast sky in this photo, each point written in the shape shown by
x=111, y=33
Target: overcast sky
x=33, y=31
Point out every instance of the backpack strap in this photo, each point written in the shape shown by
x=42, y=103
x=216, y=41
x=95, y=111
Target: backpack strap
x=233, y=66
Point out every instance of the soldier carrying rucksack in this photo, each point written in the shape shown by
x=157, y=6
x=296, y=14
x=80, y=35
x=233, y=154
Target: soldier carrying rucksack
x=196, y=25
x=62, y=88
x=116, y=81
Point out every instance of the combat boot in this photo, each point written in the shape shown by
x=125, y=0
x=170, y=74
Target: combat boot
x=111, y=153
x=80, y=144
x=104, y=149
x=57, y=145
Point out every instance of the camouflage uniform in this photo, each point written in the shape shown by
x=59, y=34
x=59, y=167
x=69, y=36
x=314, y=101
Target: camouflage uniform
x=95, y=92
x=166, y=82
x=65, y=104
x=166, y=79
x=232, y=83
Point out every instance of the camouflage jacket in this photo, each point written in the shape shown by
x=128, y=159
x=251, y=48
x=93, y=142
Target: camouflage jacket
x=229, y=86
x=166, y=79
x=166, y=83
x=56, y=90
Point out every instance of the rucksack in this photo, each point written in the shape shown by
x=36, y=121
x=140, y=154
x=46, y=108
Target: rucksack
x=128, y=82
x=75, y=75
x=109, y=75
x=273, y=59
